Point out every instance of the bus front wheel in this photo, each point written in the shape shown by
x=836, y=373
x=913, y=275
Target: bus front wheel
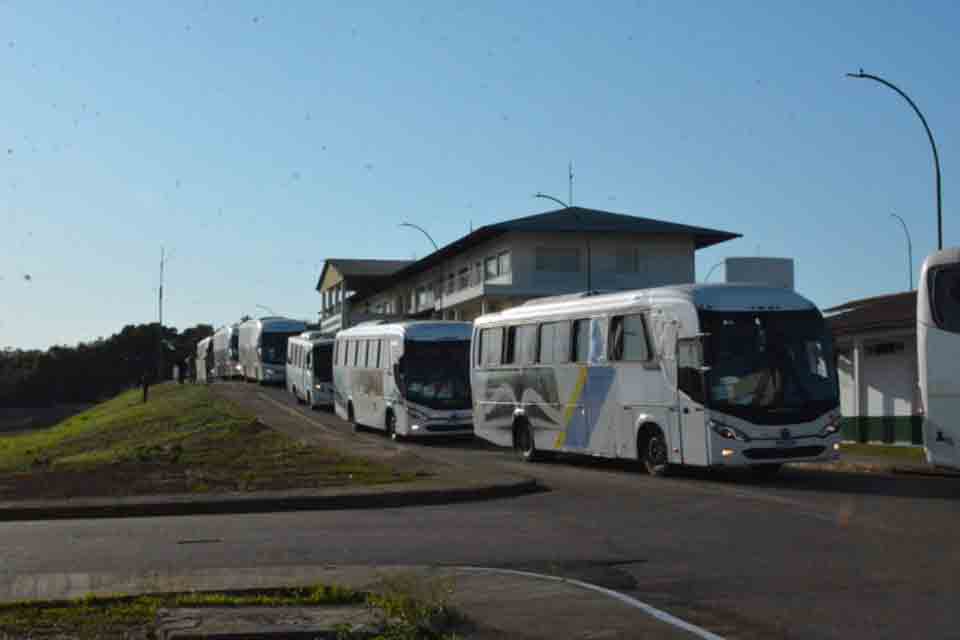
x=652, y=450
x=351, y=418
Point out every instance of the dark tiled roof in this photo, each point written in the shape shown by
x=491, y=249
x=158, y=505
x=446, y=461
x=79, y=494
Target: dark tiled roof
x=363, y=275
x=894, y=311
x=570, y=219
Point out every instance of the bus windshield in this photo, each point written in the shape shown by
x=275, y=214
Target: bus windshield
x=767, y=364
x=235, y=346
x=323, y=362
x=273, y=347
x=436, y=374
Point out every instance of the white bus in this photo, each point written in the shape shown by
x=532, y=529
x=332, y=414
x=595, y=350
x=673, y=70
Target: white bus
x=938, y=357
x=406, y=378
x=703, y=375
x=226, y=352
x=263, y=348
x=310, y=368
x=204, y=359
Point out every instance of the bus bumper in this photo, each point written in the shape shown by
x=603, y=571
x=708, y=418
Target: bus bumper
x=735, y=453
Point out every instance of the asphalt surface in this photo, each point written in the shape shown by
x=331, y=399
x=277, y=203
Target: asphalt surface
x=811, y=554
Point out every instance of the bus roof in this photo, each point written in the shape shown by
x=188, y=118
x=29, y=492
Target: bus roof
x=312, y=337
x=412, y=330
x=719, y=297
x=276, y=324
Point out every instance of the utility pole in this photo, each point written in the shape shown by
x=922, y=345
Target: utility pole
x=160, y=318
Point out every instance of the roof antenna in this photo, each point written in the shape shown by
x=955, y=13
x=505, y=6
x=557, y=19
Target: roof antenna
x=570, y=183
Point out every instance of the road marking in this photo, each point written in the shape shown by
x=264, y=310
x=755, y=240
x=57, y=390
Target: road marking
x=660, y=615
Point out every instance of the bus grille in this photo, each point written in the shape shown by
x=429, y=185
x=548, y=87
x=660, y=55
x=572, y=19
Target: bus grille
x=449, y=427
x=791, y=452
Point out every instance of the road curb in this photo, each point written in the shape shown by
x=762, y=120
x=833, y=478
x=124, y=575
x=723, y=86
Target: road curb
x=876, y=467
x=263, y=503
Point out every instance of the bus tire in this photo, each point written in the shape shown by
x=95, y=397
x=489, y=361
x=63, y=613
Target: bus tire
x=523, y=442
x=765, y=471
x=390, y=424
x=652, y=451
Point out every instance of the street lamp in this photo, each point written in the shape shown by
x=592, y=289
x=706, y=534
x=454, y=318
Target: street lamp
x=421, y=230
x=586, y=236
x=267, y=309
x=933, y=145
x=909, y=250
x=710, y=273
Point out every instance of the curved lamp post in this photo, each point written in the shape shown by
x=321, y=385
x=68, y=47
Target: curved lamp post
x=586, y=235
x=421, y=230
x=909, y=250
x=267, y=309
x=933, y=145
x=710, y=273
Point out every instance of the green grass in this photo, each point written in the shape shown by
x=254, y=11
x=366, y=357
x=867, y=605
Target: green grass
x=902, y=454
x=409, y=608
x=183, y=440
x=116, y=616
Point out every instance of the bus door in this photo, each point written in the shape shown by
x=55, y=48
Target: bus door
x=690, y=395
x=668, y=365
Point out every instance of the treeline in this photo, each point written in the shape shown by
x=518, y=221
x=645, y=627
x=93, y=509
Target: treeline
x=96, y=370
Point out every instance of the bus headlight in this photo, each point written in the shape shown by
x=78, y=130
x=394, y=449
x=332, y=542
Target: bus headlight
x=728, y=432
x=415, y=414
x=832, y=427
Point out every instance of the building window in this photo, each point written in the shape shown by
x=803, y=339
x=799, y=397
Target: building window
x=490, y=268
x=463, y=278
x=451, y=283
x=476, y=276
x=557, y=259
x=503, y=263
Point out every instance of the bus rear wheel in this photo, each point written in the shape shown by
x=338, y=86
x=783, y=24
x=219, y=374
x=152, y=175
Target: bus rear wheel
x=652, y=450
x=524, y=444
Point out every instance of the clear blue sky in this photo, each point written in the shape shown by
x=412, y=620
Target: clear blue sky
x=255, y=139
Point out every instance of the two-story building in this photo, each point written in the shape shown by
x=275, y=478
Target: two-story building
x=344, y=279
x=563, y=251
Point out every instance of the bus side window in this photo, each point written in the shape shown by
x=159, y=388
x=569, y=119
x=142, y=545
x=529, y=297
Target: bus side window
x=628, y=339
x=307, y=363
x=491, y=341
x=548, y=341
x=580, y=340
x=525, y=344
x=554, y=343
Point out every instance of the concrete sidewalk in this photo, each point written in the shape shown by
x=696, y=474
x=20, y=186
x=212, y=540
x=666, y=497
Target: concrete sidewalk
x=496, y=604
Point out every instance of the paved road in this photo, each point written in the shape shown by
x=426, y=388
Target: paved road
x=809, y=555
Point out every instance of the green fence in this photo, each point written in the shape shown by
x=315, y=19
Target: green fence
x=886, y=429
